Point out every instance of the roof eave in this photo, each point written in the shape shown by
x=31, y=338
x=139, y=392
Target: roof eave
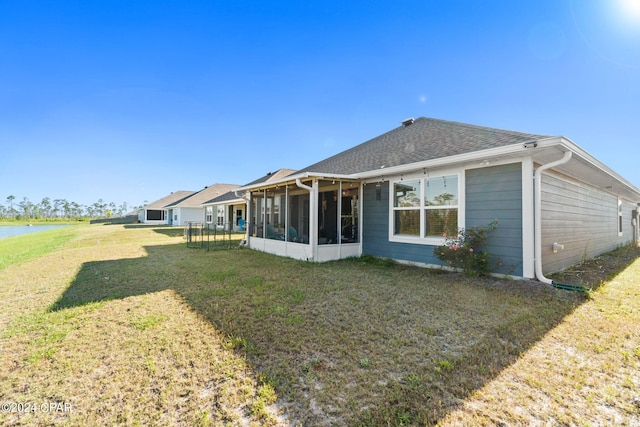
x=458, y=158
x=292, y=179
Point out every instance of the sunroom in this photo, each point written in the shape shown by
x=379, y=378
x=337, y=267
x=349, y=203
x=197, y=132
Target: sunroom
x=313, y=218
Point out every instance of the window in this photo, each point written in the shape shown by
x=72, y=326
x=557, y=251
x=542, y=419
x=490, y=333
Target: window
x=619, y=217
x=441, y=206
x=155, y=215
x=406, y=206
x=220, y=216
x=209, y=215
x=425, y=208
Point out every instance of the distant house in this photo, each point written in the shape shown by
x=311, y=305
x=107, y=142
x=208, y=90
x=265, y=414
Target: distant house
x=395, y=195
x=191, y=209
x=229, y=209
x=156, y=212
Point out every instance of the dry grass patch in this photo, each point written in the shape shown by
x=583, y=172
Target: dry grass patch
x=132, y=327
x=585, y=371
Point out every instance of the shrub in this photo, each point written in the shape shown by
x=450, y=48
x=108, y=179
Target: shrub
x=466, y=250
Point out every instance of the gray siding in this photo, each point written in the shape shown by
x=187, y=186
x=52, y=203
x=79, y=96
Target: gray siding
x=375, y=231
x=491, y=193
x=496, y=193
x=582, y=218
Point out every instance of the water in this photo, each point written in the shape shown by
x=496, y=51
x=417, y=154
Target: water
x=16, y=230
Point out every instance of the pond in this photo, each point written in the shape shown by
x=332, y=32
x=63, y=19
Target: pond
x=16, y=230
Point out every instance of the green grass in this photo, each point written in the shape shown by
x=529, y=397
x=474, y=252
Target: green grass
x=17, y=249
x=133, y=328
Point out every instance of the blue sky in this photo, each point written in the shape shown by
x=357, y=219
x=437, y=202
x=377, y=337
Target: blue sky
x=128, y=101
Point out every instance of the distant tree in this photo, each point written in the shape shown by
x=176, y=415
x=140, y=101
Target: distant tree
x=122, y=209
x=60, y=208
x=11, y=211
x=26, y=208
x=57, y=207
x=76, y=210
x=112, y=209
x=45, y=207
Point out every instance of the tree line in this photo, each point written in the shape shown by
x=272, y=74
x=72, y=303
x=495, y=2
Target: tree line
x=60, y=208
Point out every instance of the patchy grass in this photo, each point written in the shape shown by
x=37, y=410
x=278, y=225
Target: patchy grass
x=130, y=327
x=586, y=370
x=16, y=249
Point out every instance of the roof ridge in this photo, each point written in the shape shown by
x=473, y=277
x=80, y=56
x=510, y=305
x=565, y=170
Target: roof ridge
x=474, y=126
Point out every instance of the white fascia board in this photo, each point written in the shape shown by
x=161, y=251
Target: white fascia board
x=587, y=157
x=224, y=202
x=292, y=179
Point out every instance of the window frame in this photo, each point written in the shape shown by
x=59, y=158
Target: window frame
x=619, y=218
x=422, y=208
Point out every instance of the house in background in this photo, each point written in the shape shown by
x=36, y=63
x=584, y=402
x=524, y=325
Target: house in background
x=229, y=210
x=156, y=212
x=396, y=195
x=191, y=209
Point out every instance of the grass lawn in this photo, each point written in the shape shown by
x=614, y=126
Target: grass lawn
x=125, y=325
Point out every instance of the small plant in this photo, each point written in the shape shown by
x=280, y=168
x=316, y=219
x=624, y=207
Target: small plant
x=444, y=365
x=364, y=362
x=465, y=250
x=314, y=364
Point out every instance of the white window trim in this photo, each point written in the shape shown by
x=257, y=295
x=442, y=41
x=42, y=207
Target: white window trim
x=208, y=215
x=419, y=240
x=619, y=219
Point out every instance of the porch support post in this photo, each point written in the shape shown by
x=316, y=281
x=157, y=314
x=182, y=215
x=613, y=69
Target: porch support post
x=313, y=214
x=247, y=223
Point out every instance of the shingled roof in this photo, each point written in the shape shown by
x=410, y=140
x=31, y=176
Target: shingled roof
x=175, y=197
x=272, y=176
x=418, y=140
x=202, y=196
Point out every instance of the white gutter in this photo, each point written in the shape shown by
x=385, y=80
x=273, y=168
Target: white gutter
x=301, y=185
x=296, y=177
x=538, y=214
x=474, y=156
x=243, y=197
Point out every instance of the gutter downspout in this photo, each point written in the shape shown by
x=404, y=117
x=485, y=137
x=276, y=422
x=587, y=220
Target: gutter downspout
x=538, y=214
x=313, y=239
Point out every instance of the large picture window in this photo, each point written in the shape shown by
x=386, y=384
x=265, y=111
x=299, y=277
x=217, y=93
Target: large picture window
x=425, y=208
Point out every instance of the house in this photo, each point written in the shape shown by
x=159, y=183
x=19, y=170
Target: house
x=190, y=209
x=156, y=212
x=396, y=195
x=230, y=208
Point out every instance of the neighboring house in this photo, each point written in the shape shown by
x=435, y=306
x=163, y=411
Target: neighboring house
x=229, y=210
x=156, y=212
x=395, y=196
x=190, y=209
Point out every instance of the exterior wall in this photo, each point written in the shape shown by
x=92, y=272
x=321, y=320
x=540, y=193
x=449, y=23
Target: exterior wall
x=375, y=230
x=490, y=193
x=496, y=193
x=185, y=215
x=582, y=218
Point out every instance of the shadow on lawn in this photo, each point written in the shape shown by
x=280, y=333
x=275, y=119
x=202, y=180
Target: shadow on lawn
x=230, y=290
